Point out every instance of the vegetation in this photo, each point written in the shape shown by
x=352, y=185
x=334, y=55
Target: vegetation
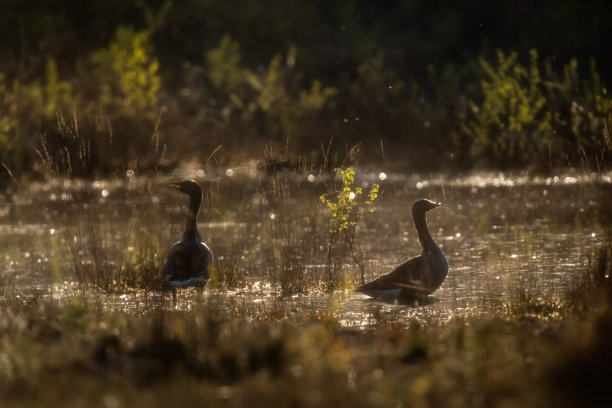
x=105, y=101
x=529, y=119
x=346, y=210
x=87, y=313
x=462, y=84
x=226, y=350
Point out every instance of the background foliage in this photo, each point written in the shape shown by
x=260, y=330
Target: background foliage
x=440, y=84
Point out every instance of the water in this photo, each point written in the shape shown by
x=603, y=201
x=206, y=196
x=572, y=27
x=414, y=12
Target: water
x=505, y=237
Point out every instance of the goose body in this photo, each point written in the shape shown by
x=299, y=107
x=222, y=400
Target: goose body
x=417, y=277
x=188, y=260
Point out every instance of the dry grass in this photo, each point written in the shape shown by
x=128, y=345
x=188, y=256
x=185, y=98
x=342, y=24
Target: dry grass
x=223, y=351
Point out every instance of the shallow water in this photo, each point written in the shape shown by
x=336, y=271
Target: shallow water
x=504, y=236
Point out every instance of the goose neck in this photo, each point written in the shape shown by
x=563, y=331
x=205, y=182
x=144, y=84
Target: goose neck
x=420, y=223
x=192, y=215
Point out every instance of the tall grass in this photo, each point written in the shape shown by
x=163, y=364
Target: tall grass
x=113, y=252
x=594, y=288
x=113, y=241
x=118, y=232
x=291, y=248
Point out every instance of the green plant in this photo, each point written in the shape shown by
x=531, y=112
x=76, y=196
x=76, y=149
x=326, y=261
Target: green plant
x=346, y=210
x=272, y=98
x=513, y=119
x=590, y=113
x=530, y=117
x=224, y=64
x=129, y=74
x=26, y=109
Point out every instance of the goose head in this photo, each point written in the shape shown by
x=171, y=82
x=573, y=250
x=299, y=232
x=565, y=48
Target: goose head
x=194, y=191
x=189, y=187
x=424, y=205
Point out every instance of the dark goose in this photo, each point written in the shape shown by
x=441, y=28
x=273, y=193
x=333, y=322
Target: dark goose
x=413, y=280
x=188, y=259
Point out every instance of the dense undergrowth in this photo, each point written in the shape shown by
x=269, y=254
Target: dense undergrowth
x=134, y=70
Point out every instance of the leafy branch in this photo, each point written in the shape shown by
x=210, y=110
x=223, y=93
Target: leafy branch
x=346, y=208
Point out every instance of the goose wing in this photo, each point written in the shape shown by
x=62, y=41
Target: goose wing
x=187, y=264
x=410, y=274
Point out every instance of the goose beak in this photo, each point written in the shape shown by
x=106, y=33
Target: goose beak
x=175, y=186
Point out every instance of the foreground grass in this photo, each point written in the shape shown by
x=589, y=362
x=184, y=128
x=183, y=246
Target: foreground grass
x=76, y=352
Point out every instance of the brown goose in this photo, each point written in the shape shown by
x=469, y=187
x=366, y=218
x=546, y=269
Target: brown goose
x=188, y=259
x=417, y=277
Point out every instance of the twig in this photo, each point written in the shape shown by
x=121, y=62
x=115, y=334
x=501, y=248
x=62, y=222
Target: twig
x=9, y=172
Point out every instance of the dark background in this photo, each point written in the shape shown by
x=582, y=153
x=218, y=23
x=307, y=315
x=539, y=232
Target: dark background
x=404, y=74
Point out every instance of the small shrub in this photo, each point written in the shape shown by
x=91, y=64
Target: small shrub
x=270, y=99
x=346, y=210
x=128, y=71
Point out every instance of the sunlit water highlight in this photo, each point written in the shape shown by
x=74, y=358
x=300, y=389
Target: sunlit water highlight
x=505, y=236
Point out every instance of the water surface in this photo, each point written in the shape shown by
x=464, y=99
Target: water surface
x=505, y=237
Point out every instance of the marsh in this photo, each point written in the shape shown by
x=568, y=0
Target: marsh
x=82, y=301
x=503, y=235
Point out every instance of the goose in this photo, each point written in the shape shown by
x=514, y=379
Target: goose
x=417, y=277
x=188, y=260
